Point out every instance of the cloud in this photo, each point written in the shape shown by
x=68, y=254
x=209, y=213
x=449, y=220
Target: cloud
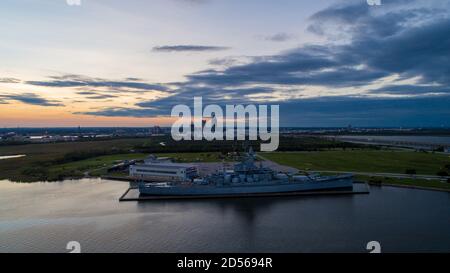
x=9, y=80
x=101, y=96
x=121, y=112
x=337, y=111
x=341, y=111
x=95, y=95
x=409, y=89
x=188, y=48
x=82, y=81
x=356, y=18
x=87, y=93
x=163, y=106
x=223, y=61
x=309, y=65
x=29, y=98
x=343, y=13
x=405, y=41
x=279, y=37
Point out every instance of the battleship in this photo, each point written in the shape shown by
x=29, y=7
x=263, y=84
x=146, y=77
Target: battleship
x=247, y=178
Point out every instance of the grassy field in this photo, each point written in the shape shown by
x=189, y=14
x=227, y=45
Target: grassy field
x=96, y=166
x=57, y=161
x=40, y=158
x=381, y=161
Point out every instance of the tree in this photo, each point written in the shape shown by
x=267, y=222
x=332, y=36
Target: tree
x=442, y=173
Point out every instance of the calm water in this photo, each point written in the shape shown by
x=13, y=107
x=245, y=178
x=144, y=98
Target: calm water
x=43, y=217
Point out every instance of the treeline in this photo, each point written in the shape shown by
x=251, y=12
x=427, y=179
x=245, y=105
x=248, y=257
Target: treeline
x=167, y=145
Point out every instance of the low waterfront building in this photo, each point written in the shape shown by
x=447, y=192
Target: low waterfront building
x=162, y=169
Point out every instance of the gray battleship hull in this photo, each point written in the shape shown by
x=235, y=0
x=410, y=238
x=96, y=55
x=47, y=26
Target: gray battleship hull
x=274, y=186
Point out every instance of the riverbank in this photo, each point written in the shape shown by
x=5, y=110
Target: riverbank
x=410, y=187
x=420, y=184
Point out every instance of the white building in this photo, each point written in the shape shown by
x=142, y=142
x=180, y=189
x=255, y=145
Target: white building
x=164, y=170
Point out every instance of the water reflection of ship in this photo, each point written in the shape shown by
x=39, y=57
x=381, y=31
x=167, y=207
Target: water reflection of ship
x=244, y=216
x=248, y=209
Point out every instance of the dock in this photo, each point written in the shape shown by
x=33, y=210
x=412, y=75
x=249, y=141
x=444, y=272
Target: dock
x=132, y=194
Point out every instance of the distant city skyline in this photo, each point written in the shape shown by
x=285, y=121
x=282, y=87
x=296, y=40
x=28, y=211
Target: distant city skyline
x=327, y=63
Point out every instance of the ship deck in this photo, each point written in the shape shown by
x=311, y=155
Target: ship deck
x=132, y=194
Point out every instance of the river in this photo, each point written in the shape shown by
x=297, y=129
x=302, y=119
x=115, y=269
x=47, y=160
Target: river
x=44, y=217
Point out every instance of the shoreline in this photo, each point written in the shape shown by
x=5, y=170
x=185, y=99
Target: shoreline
x=408, y=187
x=130, y=180
x=125, y=179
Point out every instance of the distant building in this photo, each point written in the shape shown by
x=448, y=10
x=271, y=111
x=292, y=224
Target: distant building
x=447, y=150
x=162, y=169
x=156, y=130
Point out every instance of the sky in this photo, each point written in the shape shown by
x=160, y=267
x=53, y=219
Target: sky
x=127, y=63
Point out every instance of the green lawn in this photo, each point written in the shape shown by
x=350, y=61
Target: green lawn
x=35, y=166
x=98, y=166
x=389, y=161
x=39, y=165
x=95, y=166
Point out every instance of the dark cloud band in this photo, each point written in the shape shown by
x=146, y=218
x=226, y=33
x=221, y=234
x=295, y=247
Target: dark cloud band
x=188, y=48
x=30, y=98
